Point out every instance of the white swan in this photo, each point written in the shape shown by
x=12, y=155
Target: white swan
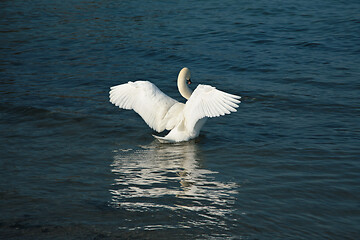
x=162, y=112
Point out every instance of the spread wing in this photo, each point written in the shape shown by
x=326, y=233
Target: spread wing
x=207, y=101
x=145, y=99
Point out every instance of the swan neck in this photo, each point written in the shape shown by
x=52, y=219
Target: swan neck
x=184, y=90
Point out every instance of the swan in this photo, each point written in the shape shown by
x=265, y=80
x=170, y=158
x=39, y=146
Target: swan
x=162, y=112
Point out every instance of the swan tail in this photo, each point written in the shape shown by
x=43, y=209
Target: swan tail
x=163, y=139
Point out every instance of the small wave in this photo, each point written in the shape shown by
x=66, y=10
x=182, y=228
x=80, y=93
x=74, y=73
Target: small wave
x=309, y=44
x=23, y=110
x=264, y=41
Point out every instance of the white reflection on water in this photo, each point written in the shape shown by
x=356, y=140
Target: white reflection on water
x=169, y=176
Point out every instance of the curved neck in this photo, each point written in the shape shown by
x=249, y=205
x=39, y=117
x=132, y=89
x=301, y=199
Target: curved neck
x=184, y=90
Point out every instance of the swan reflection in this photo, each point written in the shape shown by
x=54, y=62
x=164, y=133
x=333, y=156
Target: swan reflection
x=168, y=176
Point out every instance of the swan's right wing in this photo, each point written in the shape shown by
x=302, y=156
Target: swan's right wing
x=145, y=99
x=207, y=101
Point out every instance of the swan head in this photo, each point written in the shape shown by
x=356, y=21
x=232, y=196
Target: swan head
x=184, y=79
x=187, y=75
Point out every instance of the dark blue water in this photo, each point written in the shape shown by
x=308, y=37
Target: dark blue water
x=285, y=166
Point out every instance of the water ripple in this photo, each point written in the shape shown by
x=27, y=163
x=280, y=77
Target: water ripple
x=173, y=172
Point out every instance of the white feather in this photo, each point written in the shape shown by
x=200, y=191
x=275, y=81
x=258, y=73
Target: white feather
x=207, y=101
x=145, y=99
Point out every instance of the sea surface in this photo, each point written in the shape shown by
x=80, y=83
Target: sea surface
x=286, y=165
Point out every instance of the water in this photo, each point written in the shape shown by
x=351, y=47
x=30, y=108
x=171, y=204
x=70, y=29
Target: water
x=285, y=166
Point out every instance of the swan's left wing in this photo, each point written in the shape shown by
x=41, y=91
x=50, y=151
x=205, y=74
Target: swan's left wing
x=207, y=101
x=145, y=99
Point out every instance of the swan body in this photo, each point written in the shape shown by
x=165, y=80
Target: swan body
x=162, y=112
